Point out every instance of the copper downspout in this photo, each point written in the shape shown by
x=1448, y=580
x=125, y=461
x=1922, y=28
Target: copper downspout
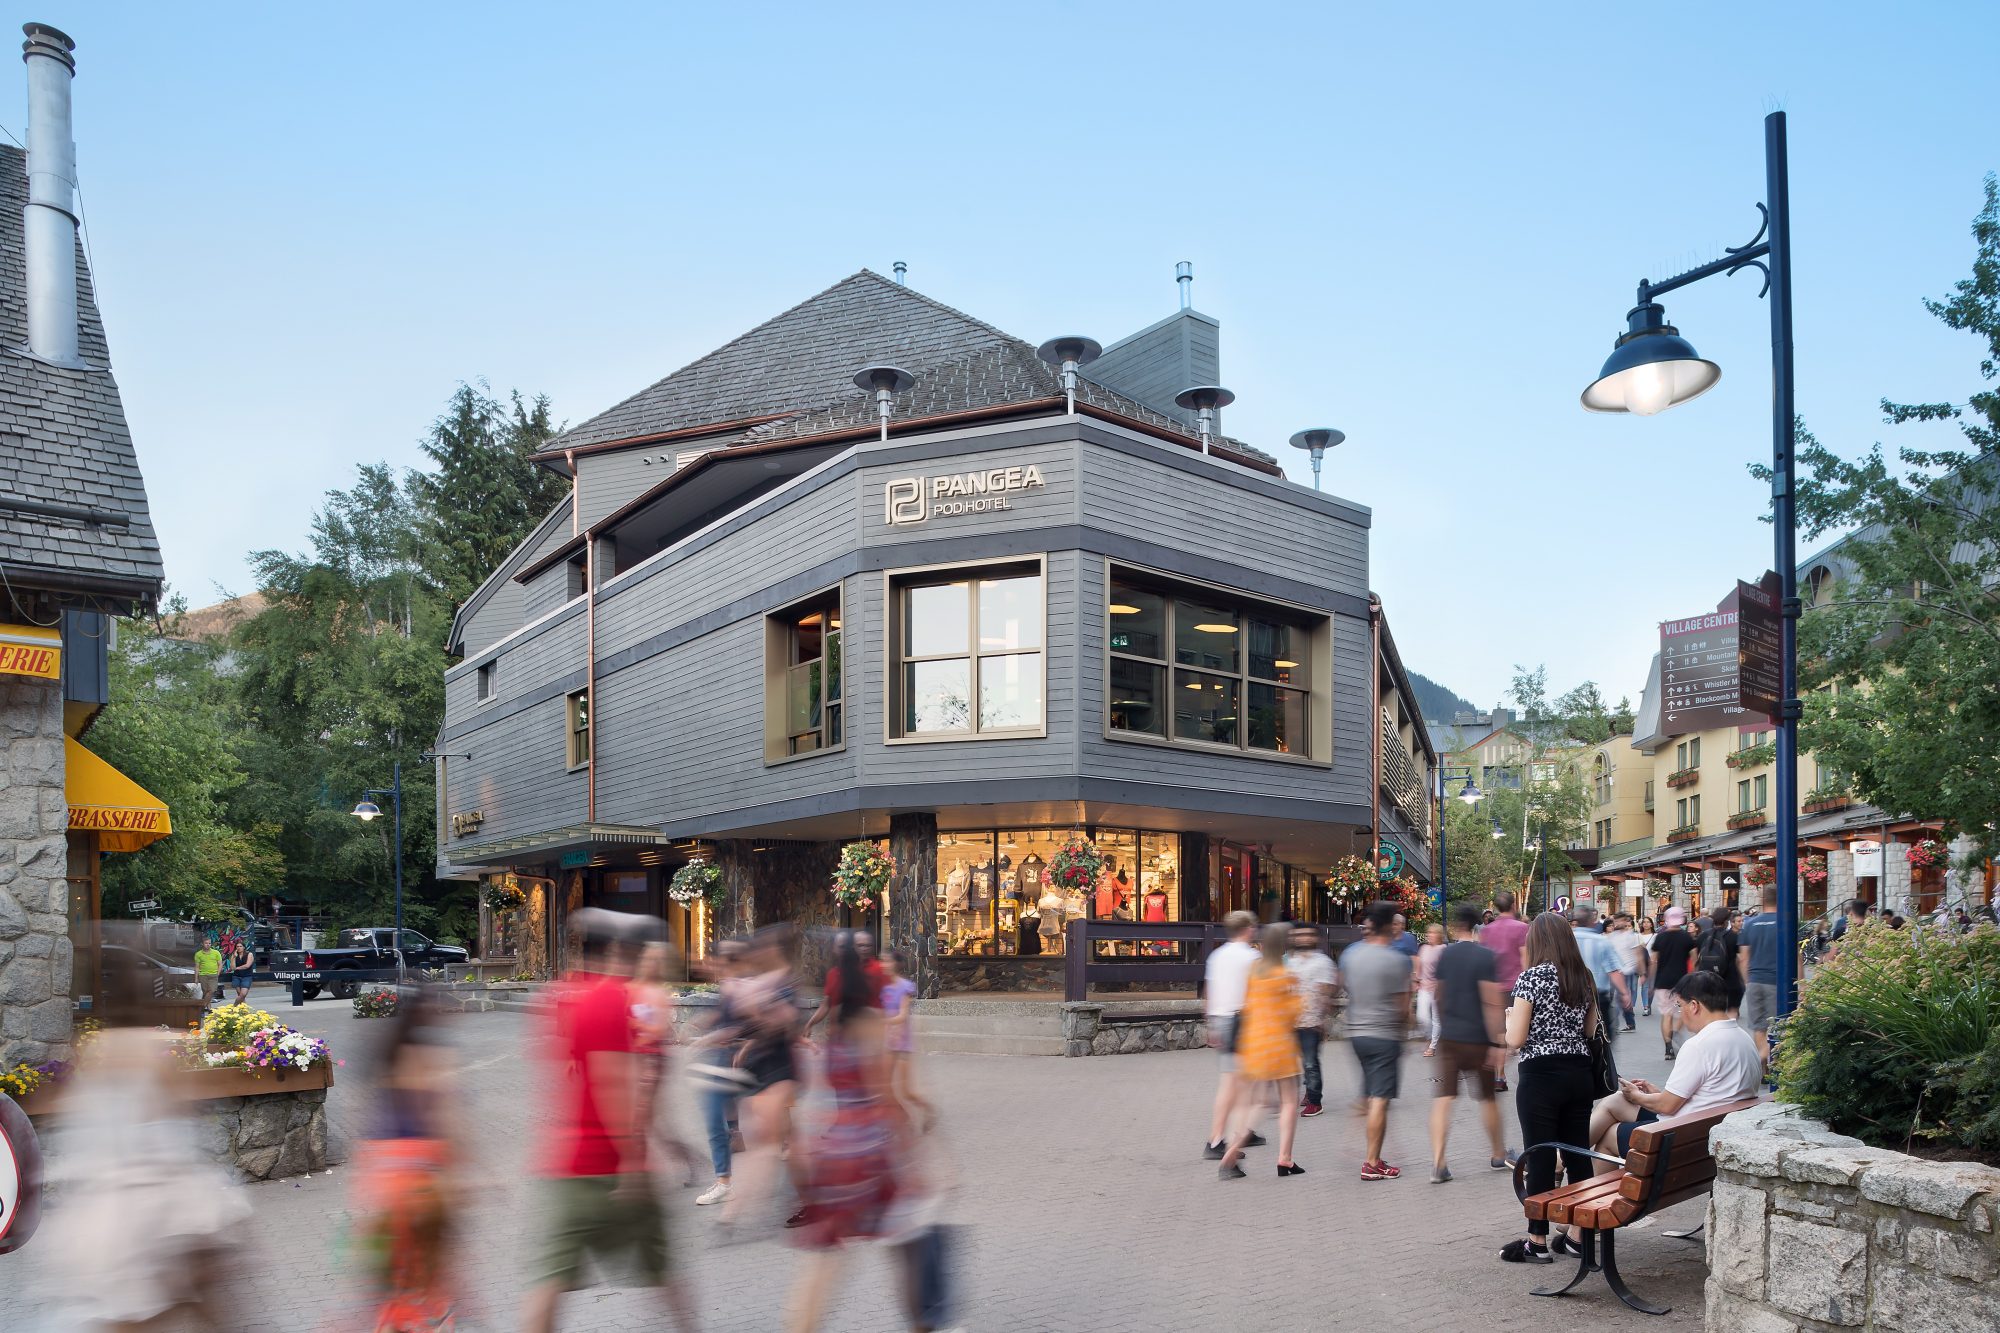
x=1375, y=719
x=590, y=677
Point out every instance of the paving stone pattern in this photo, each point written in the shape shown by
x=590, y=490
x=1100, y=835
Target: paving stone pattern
x=1080, y=1194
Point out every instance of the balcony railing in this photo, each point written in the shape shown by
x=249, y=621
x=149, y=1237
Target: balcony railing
x=1401, y=781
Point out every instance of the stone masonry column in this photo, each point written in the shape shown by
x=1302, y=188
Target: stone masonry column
x=35, y=955
x=739, y=875
x=913, y=842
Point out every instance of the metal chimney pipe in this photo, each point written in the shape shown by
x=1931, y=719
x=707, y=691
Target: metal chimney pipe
x=902, y=273
x=1184, y=275
x=49, y=222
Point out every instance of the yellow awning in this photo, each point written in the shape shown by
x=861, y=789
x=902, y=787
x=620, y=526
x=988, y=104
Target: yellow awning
x=30, y=650
x=124, y=815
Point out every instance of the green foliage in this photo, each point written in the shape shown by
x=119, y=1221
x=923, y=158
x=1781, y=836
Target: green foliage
x=1901, y=663
x=1897, y=1039
x=480, y=448
x=175, y=730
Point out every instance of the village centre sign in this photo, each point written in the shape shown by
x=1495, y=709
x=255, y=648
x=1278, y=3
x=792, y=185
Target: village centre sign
x=908, y=500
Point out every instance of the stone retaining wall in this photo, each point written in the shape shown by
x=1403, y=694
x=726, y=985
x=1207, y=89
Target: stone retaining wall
x=1086, y=1033
x=1812, y=1230
x=268, y=1136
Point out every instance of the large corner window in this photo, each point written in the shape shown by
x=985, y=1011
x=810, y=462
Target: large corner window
x=1189, y=666
x=805, y=710
x=576, y=713
x=968, y=653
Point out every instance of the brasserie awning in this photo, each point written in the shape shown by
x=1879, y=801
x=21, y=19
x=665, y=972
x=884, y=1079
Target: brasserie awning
x=124, y=815
x=30, y=650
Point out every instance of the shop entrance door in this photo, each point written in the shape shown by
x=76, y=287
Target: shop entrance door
x=1235, y=891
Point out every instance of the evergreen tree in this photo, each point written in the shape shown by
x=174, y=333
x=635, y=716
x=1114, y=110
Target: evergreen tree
x=484, y=495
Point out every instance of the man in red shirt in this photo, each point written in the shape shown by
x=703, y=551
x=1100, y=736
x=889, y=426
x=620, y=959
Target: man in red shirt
x=1507, y=936
x=598, y=1195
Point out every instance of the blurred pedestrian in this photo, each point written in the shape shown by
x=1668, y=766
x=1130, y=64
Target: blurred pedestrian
x=1313, y=975
x=770, y=1015
x=598, y=1194
x=653, y=1038
x=409, y=1174
x=1427, y=956
x=1376, y=977
x=1225, y=978
x=1757, y=963
x=1471, y=1013
x=871, y=966
x=208, y=970
x=714, y=1070
x=1402, y=940
x=1602, y=960
x=1506, y=936
x=1673, y=950
x=1646, y=934
x=1625, y=946
x=849, y=1176
x=1553, y=1015
x=1267, y=1052
x=899, y=995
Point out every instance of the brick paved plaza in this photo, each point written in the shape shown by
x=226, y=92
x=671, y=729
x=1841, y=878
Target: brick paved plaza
x=1082, y=1200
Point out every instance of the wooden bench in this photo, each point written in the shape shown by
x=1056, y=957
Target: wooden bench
x=1669, y=1162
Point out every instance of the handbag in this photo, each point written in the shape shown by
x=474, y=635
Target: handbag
x=1603, y=1068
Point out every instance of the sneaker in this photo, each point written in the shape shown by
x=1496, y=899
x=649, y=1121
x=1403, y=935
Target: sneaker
x=1312, y=1108
x=1255, y=1140
x=1440, y=1175
x=1646, y=1012
x=1214, y=1152
x=796, y=1220
x=1670, y=1052
x=1500, y=1084
x=1504, y=1163
x=1379, y=1171
x=716, y=1193
x=1631, y=1027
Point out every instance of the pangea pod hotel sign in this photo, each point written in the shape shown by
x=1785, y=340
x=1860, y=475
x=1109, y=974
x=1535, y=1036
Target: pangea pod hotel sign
x=907, y=500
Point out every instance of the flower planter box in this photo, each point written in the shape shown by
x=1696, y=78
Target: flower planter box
x=1683, y=834
x=1748, y=819
x=42, y=1101
x=1684, y=777
x=1820, y=807
x=203, y=1085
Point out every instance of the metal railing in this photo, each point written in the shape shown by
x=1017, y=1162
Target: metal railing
x=1185, y=960
x=1401, y=781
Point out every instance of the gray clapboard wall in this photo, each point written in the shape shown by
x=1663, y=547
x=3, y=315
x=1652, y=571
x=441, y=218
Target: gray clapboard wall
x=1157, y=362
x=499, y=607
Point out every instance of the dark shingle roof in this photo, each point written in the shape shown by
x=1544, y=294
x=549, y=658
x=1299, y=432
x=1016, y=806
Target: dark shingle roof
x=800, y=363
x=63, y=439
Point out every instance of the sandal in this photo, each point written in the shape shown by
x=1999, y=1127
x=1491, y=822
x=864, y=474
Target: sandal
x=1522, y=1252
x=1430, y=1051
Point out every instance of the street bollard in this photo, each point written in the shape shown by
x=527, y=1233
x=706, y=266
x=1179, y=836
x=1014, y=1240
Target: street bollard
x=298, y=992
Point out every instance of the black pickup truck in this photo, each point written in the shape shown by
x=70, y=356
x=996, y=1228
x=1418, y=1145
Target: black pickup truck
x=369, y=951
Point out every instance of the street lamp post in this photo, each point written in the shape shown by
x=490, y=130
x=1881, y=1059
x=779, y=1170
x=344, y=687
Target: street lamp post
x=1653, y=368
x=368, y=811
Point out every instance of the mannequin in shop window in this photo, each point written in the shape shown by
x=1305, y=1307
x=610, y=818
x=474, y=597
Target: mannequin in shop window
x=957, y=888
x=1110, y=885
x=1050, y=907
x=1154, y=905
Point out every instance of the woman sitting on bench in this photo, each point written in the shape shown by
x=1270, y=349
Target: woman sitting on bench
x=1717, y=1065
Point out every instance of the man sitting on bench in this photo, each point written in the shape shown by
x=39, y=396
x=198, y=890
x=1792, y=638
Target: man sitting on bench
x=1717, y=1066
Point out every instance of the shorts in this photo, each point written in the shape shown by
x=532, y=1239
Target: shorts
x=1760, y=1005
x=1381, y=1065
x=584, y=1218
x=1459, y=1060
x=1625, y=1130
x=770, y=1064
x=1222, y=1039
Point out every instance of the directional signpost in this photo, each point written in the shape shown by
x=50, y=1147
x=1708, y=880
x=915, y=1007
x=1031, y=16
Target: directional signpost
x=1719, y=669
x=1759, y=646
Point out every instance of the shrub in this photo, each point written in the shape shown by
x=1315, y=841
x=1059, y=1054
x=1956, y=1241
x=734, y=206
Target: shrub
x=1896, y=1040
x=380, y=1002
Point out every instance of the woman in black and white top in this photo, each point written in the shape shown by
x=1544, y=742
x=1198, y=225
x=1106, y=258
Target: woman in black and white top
x=1553, y=1015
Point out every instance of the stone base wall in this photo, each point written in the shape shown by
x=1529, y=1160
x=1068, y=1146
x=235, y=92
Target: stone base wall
x=1002, y=972
x=1812, y=1230
x=269, y=1136
x=1086, y=1033
x=35, y=955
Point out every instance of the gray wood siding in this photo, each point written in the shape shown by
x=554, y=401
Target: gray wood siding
x=1053, y=502
x=607, y=480
x=1156, y=363
x=517, y=775
x=505, y=608
x=545, y=592
x=1139, y=497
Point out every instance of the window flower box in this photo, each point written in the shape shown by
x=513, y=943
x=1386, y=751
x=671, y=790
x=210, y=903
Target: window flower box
x=1747, y=819
x=1685, y=833
x=1755, y=756
x=1819, y=805
x=1684, y=777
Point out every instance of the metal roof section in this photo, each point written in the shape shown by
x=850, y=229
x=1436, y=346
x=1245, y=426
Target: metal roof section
x=574, y=837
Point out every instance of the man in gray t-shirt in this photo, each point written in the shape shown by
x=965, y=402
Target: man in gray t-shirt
x=1376, y=977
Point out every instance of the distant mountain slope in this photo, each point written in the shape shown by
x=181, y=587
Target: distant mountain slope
x=1438, y=703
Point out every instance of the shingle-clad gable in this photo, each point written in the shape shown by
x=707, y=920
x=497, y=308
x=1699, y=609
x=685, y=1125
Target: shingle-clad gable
x=63, y=439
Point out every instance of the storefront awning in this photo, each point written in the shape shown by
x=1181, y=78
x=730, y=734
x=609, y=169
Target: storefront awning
x=124, y=815
x=30, y=650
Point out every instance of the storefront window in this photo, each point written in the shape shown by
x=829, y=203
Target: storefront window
x=996, y=897
x=970, y=655
x=966, y=893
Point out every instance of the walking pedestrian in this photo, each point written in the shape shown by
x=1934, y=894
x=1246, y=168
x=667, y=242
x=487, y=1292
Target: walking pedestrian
x=770, y=1015
x=1267, y=1053
x=208, y=970
x=899, y=993
x=1626, y=948
x=1602, y=960
x=1673, y=949
x=1471, y=1022
x=1553, y=1016
x=1377, y=978
x=1312, y=973
x=1427, y=1015
x=714, y=1069
x=1225, y=978
x=1506, y=935
x=849, y=1180
x=1646, y=934
x=600, y=1195
x=653, y=1034
x=1402, y=940
x=240, y=966
x=1757, y=962
x=1716, y=951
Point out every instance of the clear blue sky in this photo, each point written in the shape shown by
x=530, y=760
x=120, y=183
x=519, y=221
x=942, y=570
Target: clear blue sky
x=1422, y=226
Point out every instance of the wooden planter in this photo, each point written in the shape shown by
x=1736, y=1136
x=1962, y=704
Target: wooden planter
x=204, y=1085
x=42, y=1101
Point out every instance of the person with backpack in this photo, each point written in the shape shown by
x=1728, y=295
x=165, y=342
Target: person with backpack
x=1716, y=952
x=1673, y=949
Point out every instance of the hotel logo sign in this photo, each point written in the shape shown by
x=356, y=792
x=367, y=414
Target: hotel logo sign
x=908, y=500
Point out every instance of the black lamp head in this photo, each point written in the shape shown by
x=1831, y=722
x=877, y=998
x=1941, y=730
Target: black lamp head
x=1650, y=369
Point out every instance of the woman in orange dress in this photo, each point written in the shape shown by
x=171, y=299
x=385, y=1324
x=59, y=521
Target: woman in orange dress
x=1267, y=1051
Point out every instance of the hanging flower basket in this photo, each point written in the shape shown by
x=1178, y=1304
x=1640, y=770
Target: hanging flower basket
x=1760, y=873
x=697, y=881
x=1077, y=864
x=1813, y=872
x=506, y=896
x=1353, y=880
x=863, y=873
x=1923, y=855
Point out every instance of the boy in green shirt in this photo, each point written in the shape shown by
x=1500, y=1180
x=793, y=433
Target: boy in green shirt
x=207, y=969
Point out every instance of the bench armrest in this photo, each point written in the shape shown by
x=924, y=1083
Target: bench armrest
x=1521, y=1164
